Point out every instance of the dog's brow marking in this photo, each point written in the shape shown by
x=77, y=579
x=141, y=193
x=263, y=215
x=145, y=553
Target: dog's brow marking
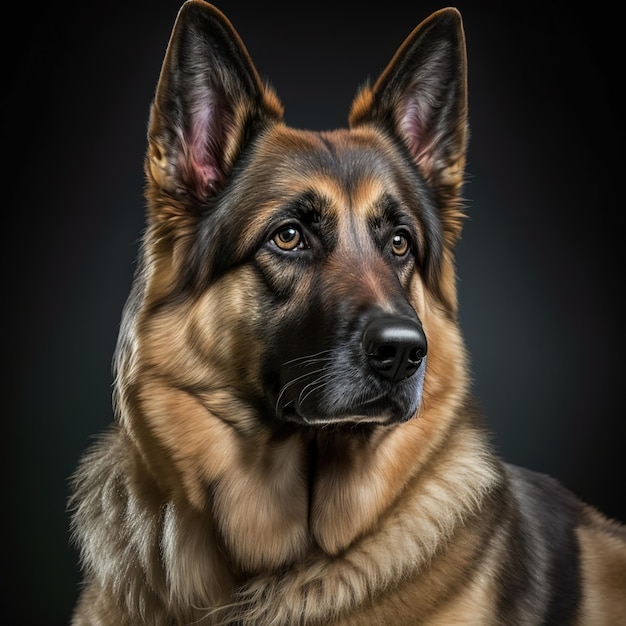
x=366, y=196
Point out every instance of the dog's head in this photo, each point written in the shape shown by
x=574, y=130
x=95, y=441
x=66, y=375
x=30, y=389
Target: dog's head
x=296, y=277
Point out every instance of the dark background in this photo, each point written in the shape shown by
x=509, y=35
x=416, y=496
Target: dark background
x=539, y=265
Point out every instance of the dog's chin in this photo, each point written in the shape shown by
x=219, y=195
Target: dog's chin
x=375, y=412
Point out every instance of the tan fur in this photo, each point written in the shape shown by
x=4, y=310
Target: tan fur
x=197, y=507
x=603, y=545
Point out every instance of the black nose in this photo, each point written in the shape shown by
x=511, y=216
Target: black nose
x=395, y=346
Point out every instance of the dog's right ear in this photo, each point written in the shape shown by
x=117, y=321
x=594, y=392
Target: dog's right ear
x=209, y=101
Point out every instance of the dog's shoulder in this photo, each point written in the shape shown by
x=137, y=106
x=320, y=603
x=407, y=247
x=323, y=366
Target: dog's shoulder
x=576, y=549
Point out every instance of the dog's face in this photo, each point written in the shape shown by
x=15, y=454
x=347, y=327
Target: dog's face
x=336, y=244
x=296, y=279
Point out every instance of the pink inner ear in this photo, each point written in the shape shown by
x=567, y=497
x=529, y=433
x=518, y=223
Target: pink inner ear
x=201, y=167
x=412, y=125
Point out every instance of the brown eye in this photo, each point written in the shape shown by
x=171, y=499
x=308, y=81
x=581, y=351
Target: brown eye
x=288, y=238
x=400, y=244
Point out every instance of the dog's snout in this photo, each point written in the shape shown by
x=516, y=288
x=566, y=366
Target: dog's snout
x=394, y=346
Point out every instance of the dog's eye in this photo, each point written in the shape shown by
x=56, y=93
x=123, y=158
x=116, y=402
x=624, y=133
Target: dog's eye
x=288, y=238
x=400, y=243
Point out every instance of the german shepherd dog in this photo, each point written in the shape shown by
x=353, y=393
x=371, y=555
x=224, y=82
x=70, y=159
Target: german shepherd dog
x=295, y=439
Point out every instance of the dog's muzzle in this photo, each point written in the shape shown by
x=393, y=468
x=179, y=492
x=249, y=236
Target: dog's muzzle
x=370, y=374
x=395, y=347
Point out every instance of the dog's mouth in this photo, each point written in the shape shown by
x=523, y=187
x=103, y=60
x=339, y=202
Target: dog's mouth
x=356, y=399
x=377, y=410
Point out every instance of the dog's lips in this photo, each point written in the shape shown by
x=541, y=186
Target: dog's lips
x=380, y=410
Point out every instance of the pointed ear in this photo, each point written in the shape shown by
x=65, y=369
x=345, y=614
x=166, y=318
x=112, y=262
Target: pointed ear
x=421, y=98
x=209, y=102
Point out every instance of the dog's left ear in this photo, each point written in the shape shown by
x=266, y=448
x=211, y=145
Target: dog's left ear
x=421, y=98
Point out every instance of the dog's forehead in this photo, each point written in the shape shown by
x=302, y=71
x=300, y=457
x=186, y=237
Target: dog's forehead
x=350, y=168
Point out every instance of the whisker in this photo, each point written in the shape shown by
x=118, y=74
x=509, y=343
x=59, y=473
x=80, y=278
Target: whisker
x=291, y=382
x=314, y=386
x=309, y=358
